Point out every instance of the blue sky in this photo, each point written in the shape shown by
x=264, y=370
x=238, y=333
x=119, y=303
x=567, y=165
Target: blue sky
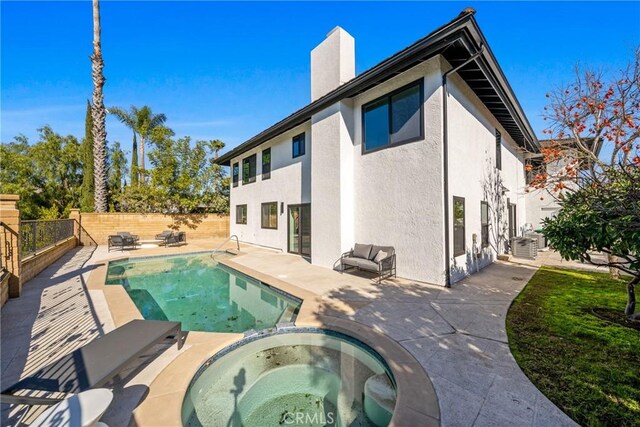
x=229, y=70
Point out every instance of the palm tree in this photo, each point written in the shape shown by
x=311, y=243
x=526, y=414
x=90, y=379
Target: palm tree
x=216, y=146
x=142, y=122
x=98, y=114
x=146, y=123
x=129, y=118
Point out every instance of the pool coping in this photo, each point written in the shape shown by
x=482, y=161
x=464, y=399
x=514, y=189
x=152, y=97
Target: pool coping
x=416, y=403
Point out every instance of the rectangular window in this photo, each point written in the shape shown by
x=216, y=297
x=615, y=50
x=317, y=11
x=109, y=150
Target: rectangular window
x=298, y=145
x=458, y=226
x=236, y=173
x=395, y=118
x=531, y=168
x=498, y=150
x=270, y=215
x=249, y=169
x=241, y=214
x=484, y=223
x=266, y=163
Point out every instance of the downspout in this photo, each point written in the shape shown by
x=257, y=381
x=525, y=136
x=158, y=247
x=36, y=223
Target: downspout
x=445, y=161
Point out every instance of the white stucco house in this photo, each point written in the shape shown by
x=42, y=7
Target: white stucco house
x=424, y=152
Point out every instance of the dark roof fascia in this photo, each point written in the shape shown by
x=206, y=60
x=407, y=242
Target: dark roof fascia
x=502, y=85
x=464, y=29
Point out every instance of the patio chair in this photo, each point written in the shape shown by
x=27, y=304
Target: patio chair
x=122, y=242
x=135, y=237
x=97, y=363
x=171, y=238
x=164, y=236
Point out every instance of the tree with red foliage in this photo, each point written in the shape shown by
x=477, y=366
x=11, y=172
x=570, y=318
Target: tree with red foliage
x=590, y=164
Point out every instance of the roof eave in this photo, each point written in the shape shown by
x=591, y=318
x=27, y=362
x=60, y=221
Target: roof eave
x=463, y=29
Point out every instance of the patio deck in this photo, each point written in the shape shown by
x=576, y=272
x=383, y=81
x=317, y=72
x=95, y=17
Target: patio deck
x=457, y=335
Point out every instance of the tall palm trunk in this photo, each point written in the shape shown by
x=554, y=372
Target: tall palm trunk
x=98, y=114
x=142, y=155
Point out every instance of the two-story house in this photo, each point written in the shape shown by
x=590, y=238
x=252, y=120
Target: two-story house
x=411, y=153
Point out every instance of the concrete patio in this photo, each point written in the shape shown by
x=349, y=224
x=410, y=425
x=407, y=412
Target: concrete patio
x=457, y=335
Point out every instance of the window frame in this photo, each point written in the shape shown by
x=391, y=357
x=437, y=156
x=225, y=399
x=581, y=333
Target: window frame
x=235, y=173
x=388, y=96
x=247, y=159
x=262, y=206
x=304, y=145
x=246, y=214
x=498, y=149
x=266, y=175
x=464, y=226
x=484, y=243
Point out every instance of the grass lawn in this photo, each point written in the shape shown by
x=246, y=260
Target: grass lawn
x=590, y=368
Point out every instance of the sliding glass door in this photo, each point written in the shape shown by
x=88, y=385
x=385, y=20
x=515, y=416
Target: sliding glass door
x=299, y=229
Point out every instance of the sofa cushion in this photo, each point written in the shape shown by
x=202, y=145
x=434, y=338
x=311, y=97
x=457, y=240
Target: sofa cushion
x=351, y=261
x=375, y=249
x=380, y=256
x=361, y=251
x=366, y=264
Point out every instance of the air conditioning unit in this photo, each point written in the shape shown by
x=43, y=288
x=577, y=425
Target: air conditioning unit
x=539, y=237
x=524, y=247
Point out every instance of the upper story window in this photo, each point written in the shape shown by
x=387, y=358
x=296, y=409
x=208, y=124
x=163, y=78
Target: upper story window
x=298, y=145
x=236, y=173
x=266, y=163
x=498, y=150
x=395, y=118
x=249, y=169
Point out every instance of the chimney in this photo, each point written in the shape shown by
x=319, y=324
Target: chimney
x=333, y=62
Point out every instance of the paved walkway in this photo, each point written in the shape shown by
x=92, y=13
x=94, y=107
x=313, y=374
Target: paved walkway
x=458, y=334
x=54, y=316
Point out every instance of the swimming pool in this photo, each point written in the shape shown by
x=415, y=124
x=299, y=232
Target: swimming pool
x=296, y=376
x=203, y=294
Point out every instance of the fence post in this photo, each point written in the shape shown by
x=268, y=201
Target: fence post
x=77, y=230
x=10, y=241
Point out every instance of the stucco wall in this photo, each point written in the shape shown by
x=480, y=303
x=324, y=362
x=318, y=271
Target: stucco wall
x=332, y=184
x=398, y=199
x=540, y=205
x=472, y=162
x=290, y=183
x=393, y=196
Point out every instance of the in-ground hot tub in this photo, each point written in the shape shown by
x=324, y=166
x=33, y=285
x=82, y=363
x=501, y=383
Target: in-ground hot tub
x=297, y=376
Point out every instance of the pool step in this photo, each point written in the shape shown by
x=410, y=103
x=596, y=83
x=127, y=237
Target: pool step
x=379, y=399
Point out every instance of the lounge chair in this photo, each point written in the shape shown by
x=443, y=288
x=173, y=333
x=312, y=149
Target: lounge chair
x=378, y=259
x=97, y=363
x=122, y=242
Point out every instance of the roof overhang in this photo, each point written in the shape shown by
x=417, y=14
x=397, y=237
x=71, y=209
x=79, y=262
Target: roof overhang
x=456, y=42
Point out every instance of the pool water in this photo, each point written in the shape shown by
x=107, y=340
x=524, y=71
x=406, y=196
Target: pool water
x=203, y=294
x=310, y=378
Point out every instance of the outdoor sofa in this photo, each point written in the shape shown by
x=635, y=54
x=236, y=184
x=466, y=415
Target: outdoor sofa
x=97, y=363
x=377, y=259
x=170, y=238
